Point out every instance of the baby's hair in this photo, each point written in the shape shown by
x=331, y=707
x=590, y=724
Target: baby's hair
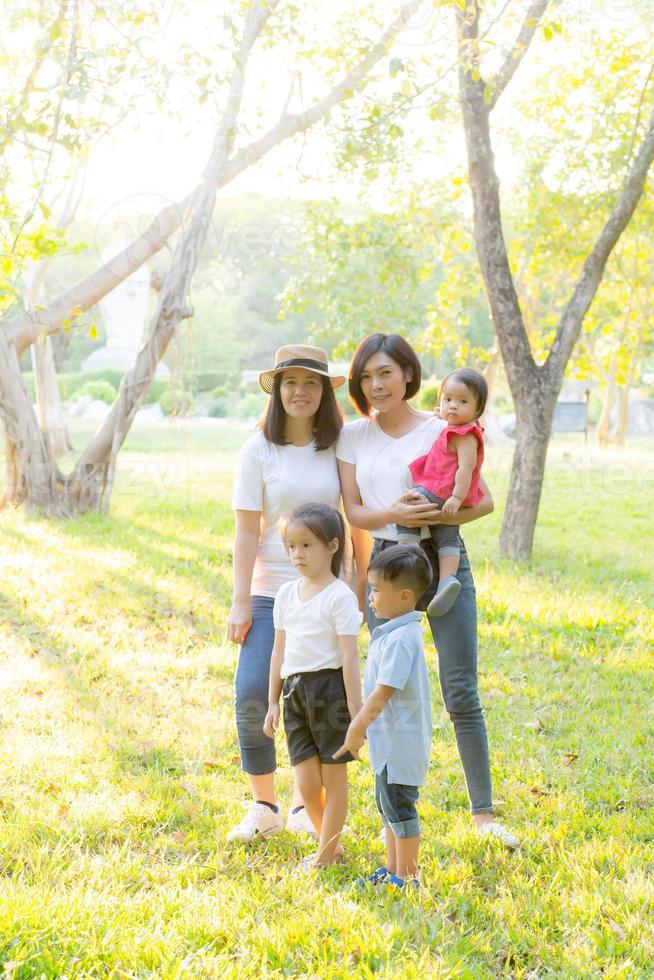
x=405, y=565
x=323, y=521
x=473, y=380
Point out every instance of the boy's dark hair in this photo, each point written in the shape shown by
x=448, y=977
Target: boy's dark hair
x=328, y=420
x=473, y=380
x=398, y=349
x=404, y=564
x=323, y=521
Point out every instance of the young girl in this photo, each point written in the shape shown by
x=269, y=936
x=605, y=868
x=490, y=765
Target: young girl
x=448, y=475
x=314, y=657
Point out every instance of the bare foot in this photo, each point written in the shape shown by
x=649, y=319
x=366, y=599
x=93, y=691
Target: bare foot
x=337, y=858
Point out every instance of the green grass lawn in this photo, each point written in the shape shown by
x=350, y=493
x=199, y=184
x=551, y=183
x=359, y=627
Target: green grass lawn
x=120, y=767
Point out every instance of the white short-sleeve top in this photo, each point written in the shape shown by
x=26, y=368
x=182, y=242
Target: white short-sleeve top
x=313, y=627
x=382, y=462
x=275, y=480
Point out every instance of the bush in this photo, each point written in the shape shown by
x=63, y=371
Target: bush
x=427, y=398
x=175, y=402
x=208, y=380
x=220, y=392
x=156, y=390
x=343, y=401
x=253, y=404
x=69, y=384
x=28, y=378
x=102, y=391
x=218, y=409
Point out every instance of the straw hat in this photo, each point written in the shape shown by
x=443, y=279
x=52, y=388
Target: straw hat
x=302, y=356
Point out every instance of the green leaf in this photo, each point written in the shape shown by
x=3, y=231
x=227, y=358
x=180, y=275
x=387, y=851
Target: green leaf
x=395, y=65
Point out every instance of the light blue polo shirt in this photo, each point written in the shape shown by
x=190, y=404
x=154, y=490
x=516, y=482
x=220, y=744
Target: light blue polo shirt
x=400, y=737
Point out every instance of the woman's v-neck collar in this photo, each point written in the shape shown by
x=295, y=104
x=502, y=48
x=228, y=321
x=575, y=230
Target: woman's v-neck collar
x=405, y=434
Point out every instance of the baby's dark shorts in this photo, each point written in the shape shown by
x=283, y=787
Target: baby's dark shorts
x=316, y=716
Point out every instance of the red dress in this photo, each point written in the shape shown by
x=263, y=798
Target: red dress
x=436, y=471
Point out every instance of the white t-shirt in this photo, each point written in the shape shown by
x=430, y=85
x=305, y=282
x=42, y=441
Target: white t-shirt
x=313, y=627
x=382, y=462
x=275, y=480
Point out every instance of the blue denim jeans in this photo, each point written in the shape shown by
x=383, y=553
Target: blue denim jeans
x=455, y=639
x=251, y=690
x=397, y=806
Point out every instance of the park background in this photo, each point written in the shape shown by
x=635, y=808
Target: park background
x=120, y=761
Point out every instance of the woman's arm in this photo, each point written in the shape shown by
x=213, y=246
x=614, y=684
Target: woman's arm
x=362, y=546
x=351, y=673
x=271, y=723
x=400, y=512
x=246, y=539
x=467, y=514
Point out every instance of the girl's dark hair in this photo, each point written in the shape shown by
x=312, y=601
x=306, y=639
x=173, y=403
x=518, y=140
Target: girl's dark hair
x=327, y=423
x=326, y=523
x=473, y=380
x=398, y=349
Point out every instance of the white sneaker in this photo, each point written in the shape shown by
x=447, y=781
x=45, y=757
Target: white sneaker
x=501, y=833
x=300, y=823
x=259, y=821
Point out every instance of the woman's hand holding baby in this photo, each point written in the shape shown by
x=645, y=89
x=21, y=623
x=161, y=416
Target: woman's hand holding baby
x=414, y=510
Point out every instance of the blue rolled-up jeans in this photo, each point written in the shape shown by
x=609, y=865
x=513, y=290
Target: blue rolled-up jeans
x=251, y=690
x=455, y=639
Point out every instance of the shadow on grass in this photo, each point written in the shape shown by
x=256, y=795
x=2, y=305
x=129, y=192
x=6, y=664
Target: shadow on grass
x=132, y=757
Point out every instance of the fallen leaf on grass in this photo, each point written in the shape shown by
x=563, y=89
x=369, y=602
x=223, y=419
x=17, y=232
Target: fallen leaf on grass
x=570, y=757
x=210, y=764
x=617, y=929
x=190, y=788
x=537, y=791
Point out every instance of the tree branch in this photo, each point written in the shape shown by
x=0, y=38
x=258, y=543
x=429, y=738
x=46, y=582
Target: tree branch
x=51, y=31
x=529, y=26
x=290, y=124
x=65, y=308
x=593, y=268
x=55, y=125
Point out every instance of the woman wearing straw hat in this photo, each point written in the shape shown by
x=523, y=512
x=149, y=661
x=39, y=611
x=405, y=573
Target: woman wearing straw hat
x=289, y=462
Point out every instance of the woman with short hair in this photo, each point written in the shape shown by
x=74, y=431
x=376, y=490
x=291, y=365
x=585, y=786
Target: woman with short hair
x=374, y=453
x=291, y=461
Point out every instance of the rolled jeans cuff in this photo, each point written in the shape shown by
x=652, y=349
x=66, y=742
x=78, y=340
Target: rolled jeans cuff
x=406, y=828
x=449, y=551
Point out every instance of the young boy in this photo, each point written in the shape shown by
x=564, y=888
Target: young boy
x=397, y=707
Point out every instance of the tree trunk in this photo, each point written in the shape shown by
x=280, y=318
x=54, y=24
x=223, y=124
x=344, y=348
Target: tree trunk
x=33, y=478
x=604, y=424
x=534, y=387
x=533, y=428
x=623, y=415
x=51, y=415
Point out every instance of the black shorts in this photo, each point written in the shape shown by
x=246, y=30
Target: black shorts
x=316, y=716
